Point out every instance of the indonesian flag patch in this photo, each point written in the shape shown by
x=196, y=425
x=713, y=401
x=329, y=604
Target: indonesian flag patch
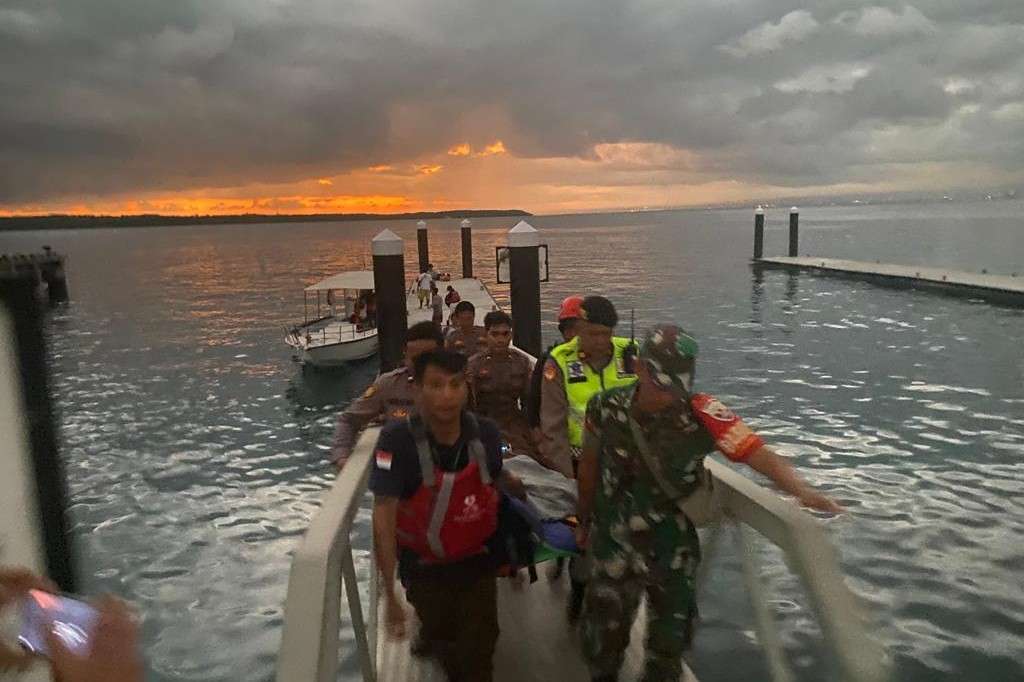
x=383, y=459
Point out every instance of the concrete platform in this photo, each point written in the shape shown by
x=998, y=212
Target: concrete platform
x=536, y=643
x=472, y=290
x=997, y=288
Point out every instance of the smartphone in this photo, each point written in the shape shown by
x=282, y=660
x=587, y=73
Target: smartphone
x=72, y=621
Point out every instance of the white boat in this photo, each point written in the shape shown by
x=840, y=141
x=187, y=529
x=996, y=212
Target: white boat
x=331, y=337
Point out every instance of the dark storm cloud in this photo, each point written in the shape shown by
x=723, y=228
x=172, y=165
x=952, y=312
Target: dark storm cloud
x=114, y=96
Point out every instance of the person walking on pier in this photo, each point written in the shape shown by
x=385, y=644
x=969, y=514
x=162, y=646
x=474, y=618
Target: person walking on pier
x=498, y=382
x=465, y=337
x=391, y=397
x=446, y=456
x=592, y=362
x=643, y=459
x=436, y=306
x=424, y=282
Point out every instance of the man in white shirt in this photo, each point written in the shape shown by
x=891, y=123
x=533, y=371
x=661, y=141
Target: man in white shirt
x=423, y=284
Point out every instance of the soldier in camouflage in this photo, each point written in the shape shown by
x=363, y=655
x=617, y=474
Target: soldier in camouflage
x=643, y=455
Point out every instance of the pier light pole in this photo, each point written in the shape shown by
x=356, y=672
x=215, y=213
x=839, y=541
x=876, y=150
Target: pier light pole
x=422, y=246
x=389, y=287
x=758, y=233
x=524, y=289
x=467, y=250
x=794, y=231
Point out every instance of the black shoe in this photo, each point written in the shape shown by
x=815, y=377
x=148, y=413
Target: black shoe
x=575, y=606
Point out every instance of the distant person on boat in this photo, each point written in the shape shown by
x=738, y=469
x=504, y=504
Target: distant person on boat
x=113, y=654
x=451, y=298
x=391, y=397
x=436, y=306
x=423, y=285
x=639, y=478
x=465, y=337
x=442, y=553
x=498, y=382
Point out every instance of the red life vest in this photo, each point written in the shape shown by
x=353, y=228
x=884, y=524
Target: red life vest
x=453, y=513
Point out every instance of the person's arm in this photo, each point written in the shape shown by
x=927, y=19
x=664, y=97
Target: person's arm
x=357, y=415
x=113, y=655
x=767, y=462
x=740, y=444
x=533, y=398
x=385, y=547
x=554, y=413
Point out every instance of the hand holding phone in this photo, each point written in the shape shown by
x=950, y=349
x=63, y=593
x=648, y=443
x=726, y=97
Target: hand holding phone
x=43, y=613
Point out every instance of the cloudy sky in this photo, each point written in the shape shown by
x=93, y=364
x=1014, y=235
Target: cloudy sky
x=213, y=106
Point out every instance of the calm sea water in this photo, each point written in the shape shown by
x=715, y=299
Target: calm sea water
x=196, y=446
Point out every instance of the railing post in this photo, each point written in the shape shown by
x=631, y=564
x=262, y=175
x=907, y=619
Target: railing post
x=467, y=250
x=389, y=285
x=422, y=246
x=758, y=233
x=794, y=231
x=524, y=288
x=767, y=633
x=355, y=607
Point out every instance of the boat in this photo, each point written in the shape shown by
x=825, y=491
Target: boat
x=332, y=337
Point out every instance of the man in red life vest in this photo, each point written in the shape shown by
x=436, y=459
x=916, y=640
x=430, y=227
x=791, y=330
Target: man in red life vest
x=435, y=480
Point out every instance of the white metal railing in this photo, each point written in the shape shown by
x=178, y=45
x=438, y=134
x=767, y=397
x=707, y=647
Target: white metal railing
x=323, y=563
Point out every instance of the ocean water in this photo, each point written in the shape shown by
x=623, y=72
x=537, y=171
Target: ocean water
x=196, y=445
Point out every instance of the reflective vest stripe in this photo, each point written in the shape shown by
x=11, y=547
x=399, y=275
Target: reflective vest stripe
x=437, y=514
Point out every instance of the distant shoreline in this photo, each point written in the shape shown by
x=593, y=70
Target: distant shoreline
x=88, y=222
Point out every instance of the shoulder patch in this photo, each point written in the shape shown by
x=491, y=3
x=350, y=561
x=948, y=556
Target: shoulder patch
x=550, y=371
x=370, y=391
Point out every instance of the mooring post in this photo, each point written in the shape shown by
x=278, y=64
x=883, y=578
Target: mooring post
x=467, y=249
x=794, y=231
x=524, y=287
x=389, y=287
x=422, y=246
x=758, y=233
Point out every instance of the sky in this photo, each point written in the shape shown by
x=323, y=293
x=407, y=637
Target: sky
x=312, y=106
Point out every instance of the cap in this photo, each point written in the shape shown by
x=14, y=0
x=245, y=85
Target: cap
x=599, y=310
x=570, y=308
x=670, y=354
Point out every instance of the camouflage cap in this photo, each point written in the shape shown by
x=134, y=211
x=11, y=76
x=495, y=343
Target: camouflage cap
x=670, y=354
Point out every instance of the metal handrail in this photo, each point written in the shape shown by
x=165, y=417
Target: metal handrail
x=323, y=562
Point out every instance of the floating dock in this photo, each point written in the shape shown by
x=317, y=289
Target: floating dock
x=997, y=288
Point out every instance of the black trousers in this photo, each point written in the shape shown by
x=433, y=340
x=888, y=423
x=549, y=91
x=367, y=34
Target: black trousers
x=459, y=616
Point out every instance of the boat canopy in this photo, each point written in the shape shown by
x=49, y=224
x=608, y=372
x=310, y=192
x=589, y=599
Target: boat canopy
x=357, y=279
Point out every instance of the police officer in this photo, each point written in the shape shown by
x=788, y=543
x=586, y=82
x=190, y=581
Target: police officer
x=498, y=382
x=594, y=361
x=643, y=459
x=389, y=398
x=465, y=337
x=568, y=320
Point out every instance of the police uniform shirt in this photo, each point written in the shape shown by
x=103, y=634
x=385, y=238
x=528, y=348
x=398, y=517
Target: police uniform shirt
x=466, y=344
x=391, y=397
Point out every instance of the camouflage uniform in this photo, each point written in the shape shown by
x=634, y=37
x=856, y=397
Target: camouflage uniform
x=640, y=542
x=498, y=389
x=389, y=398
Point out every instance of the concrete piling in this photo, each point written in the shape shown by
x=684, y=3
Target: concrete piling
x=524, y=289
x=389, y=286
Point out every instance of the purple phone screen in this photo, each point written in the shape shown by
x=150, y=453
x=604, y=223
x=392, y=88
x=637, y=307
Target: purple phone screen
x=71, y=620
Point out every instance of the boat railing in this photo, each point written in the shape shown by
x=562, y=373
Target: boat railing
x=340, y=333
x=323, y=563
